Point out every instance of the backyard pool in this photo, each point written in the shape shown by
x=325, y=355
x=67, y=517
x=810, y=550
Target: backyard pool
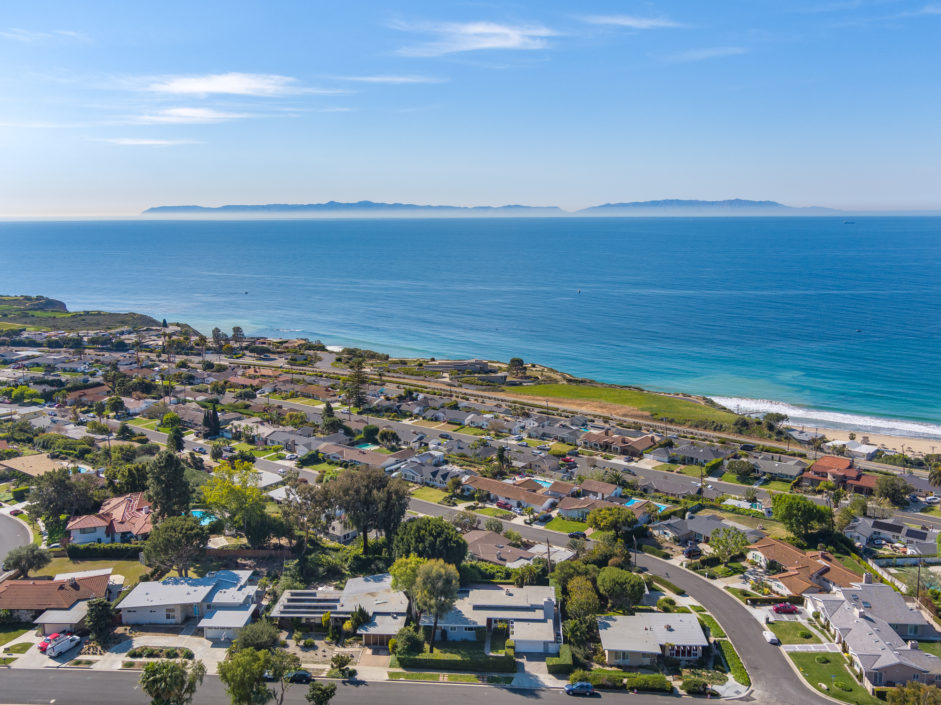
x=367, y=446
x=544, y=483
x=205, y=518
x=634, y=500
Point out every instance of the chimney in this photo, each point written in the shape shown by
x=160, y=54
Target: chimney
x=859, y=611
x=867, y=578
x=73, y=583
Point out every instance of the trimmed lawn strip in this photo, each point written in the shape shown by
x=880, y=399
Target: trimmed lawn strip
x=712, y=625
x=734, y=662
x=131, y=570
x=494, y=512
x=566, y=526
x=830, y=674
x=20, y=648
x=790, y=632
x=9, y=632
x=429, y=494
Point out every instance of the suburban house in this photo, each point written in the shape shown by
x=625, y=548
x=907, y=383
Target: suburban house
x=562, y=433
x=175, y=600
x=531, y=612
x=507, y=492
x=839, y=610
x=866, y=531
x=561, y=489
x=804, y=572
x=387, y=608
x=692, y=454
x=54, y=603
x=120, y=520
x=430, y=475
x=599, y=490
x=578, y=508
x=359, y=456
x=492, y=547
x=641, y=639
x=854, y=449
x=779, y=467
x=699, y=528
x=88, y=396
x=841, y=472
x=617, y=444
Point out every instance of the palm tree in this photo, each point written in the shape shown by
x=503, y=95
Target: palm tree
x=614, y=476
x=934, y=475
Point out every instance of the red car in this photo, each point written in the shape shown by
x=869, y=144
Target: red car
x=785, y=608
x=47, y=640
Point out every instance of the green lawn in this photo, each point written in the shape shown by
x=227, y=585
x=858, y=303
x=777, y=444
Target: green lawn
x=149, y=424
x=657, y=405
x=559, y=448
x=740, y=593
x=131, y=570
x=666, y=467
x=494, y=512
x=711, y=623
x=790, y=633
x=20, y=648
x=932, y=647
x=776, y=486
x=9, y=632
x=429, y=494
x=830, y=674
x=691, y=471
x=472, y=431
x=566, y=526
x=412, y=676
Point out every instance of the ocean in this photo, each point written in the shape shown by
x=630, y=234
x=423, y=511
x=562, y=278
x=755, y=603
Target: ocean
x=827, y=317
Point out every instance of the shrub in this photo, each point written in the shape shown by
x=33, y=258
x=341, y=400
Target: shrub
x=821, y=659
x=112, y=551
x=408, y=642
x=654, y=682
x=694, y=686
x=666, y=604
x=736, y=667
x=309, y=643
x=662, y=582
x=479, y=663
x=562, y=663
x=840, y=685
x=654, y=551
x=392, y=644
x=804, y=634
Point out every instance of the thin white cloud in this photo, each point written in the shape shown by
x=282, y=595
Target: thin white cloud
x=393, y=80
x=26, y=35
x=141, y=142
x=704, y=54
x=249, y=84
x=190, y=116
x=455, y=37
x=632, y=21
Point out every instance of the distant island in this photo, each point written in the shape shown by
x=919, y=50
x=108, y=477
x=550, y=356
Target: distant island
x=666, y=207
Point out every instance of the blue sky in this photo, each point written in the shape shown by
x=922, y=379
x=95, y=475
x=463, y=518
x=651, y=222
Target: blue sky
x=110, y=107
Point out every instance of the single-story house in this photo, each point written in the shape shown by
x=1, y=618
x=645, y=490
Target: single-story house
x=26, y=599
x=599, y=490
x=699, y=527
x=779, y=467
x=492, y=547
x=507, y=492
x=804, y=572
x=641, y=639
x=174, y=600
x=578, y=508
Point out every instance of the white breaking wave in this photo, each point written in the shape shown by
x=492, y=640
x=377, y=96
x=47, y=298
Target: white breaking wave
x=802, y=416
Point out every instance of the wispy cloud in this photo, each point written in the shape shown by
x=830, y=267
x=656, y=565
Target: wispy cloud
x=249, y=84
x=455, y=37
x=632, y=21
x=140, y=142
x=190, y=116
x=26, y=35
x=704, y=54
x=394, y=80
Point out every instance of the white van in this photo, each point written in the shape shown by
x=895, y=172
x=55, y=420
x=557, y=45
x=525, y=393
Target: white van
x=63, y=645
x=770, y=637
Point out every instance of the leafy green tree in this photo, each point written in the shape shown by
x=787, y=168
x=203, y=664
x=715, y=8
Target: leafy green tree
x=408, y=641
x=232, y=493
x=582, y=600
x=57, y=492
x=27, y=559
x=168, y=490
x=242, y=672
x=404, y=573
x=176, y=543
x=430, y=537
x=175, y=439
x=171, y=419
x=726, y=542
x=388, y=438
x=464, y=521
x=799, y=515
x=493, y=524
x=370, y=433
x=618, y=520
x=259, y=635
x=516, y=366
x=354, y=385
x=321, y=693
x=279, y=666
x=893, y=489
x=100, y=619
x=172, y=682
x=436, y=587
x=370, y=499
x=622, y=588
x=115, y=405
x=567, y=570
x=743, y=470
x=392, y=505
x=913, y=693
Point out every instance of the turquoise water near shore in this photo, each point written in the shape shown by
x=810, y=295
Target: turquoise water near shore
x=831, y=317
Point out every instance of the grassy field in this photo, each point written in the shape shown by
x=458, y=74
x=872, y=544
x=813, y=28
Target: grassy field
x=566, y=526
x=131, y=570
x=830, y=674
x=429, y=494
x=494, y=512
x=9, y=632
x=790, y=633
x=657, y=405
x=472, y=431
x=741, y=593
x=776, y=486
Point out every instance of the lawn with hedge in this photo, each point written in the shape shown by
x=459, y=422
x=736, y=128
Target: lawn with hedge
x=829, y=670
x=561, y=664
x=733, y=661
x=614, y=679
x=793, y=633
x=459, y=656
x=710, y=623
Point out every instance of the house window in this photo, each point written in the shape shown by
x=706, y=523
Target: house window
x=912, y=628
x=88, y=530
x=170, y=614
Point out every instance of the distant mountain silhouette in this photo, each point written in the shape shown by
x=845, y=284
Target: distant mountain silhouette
x=735, y=206
x=664, y=207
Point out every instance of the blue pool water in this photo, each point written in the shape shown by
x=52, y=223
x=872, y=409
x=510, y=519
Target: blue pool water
x=205, y=518
x=634, y=500
x=367, y=446
x=544, y=483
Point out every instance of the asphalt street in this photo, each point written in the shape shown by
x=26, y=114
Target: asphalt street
x=12, y=534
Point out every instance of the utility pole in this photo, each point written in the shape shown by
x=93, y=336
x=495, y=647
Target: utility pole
x=548, y=556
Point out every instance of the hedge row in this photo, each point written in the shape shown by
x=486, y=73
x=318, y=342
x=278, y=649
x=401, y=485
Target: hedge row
x=561, y=663
x=607, y=678
x=736, y=667
x=160, y=652
x=654, y=551
x=774, y=600
x=116, y=551
x=663, y=582
x=480, y=664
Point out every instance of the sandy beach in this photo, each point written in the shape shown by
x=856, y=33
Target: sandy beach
x=912, y=446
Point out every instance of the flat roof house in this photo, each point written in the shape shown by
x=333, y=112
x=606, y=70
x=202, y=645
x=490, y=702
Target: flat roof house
x=641, y=639
x=175, y=600
x=531, y=612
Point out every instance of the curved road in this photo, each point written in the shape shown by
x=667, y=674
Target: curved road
x=12, y=534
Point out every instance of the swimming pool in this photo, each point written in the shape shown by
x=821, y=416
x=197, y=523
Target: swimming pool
x=367, y=446
x=634, y=500
x=205, y=518
x=544, y=483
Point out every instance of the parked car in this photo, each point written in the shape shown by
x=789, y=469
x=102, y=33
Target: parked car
x=504, y=504
x=580, y=688
x=692, y=552
x=200, y=450
x=785, y=608
x=770, y=637
x=576, y=534
x=544, y=446
x=63, y=645
x=49, y=639
x=15, y=512
x=299, y=677
x=543, y=518
x=291, y=456
x=445, y=436
x=932, y=499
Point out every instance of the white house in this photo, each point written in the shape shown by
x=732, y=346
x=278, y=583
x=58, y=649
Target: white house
x=640, y=639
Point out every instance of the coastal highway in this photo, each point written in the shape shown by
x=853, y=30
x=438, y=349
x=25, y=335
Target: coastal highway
x=773, y=680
